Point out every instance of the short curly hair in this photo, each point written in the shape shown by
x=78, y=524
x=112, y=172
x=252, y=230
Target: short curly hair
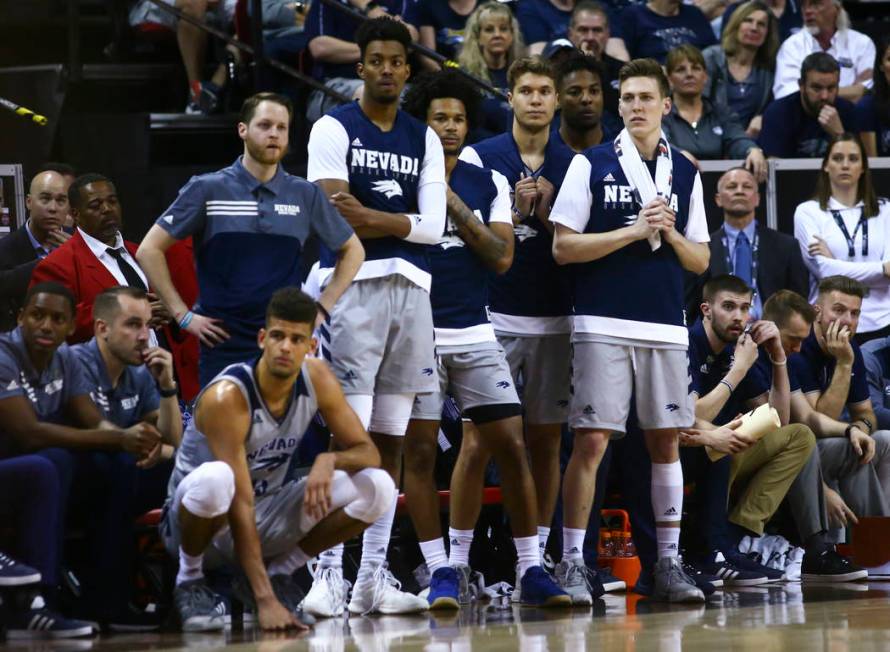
x=438, y=85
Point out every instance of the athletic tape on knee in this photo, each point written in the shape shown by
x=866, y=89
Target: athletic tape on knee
x=376, y=493
x=391, y=414
x=362, y=405
x=210, y=490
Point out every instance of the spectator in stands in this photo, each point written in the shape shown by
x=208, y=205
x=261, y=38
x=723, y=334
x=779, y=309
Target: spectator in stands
x=69, y=173
x=96, y=257
x=800, y=125
x=32, y=501
x=845, y=230
x=20, y=251
x=873, y=110
x=543, y=21
x=45, y=406
x=767, y=260
x=827, y=29
x=832, y=376
x=657, y=27
x=741, y=68
x=579, y=84
x=130, y=382
x=442, y=26
x=330, y=35
x=696, y=126
x=589, y=32
x=491, y=43
x=876, y=354
x=787, y=12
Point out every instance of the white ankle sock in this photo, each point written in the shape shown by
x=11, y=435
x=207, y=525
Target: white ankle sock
x=332, y=557
x=434, y=554
x=667, y=505
x=572, y=543
x=190, y=568
x=461, y=541
x=289, y=562
x=376, y=542
x=543, y=535
x=527, y=553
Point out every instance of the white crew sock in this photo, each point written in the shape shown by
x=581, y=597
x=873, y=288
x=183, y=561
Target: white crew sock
x=434, y=554
x=572, y=543
x=667, y=505
x=376, y=542
x=289, y=562
x=332, y=557
x=543, y=535
x=527, y=553
x=190, y=568
x=461, y=541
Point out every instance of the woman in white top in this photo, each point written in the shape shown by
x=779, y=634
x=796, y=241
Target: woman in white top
x=846, y=230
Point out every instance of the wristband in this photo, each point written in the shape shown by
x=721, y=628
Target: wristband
x=728, y=385
x=779, y=364
x=168, y=393
x=867, y=424
x=186, y=320
x=323, y=311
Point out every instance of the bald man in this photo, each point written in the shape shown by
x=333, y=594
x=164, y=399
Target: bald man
x=20, y=251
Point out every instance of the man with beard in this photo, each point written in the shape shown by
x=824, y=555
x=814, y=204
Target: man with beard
x=589, y=32
x=250, y=222
x=385, y=172
x=801, y=124
x=478, y=239
x=530, y=303
x=767, y=260
x=579, y=83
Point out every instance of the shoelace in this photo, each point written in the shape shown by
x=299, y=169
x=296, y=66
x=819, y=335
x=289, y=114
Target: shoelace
x=337, y=587
x=200, y=597
x=382, y=580
x=581, y=571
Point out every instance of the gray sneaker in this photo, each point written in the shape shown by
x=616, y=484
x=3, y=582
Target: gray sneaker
x=200, y=609
x=288, y=592
x=464, y=573
x=571, y=575
x=674, y=585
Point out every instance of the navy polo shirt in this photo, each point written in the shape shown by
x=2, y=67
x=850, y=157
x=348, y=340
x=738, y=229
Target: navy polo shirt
x=135, y=396
x=707, y=369
x=647, y=34
x=790, y=132
x=48, y=391
x=248, y=238
x=814, y=369
x=542, y=21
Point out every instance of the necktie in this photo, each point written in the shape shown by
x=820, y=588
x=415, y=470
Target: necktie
x=132, y=276
x=743, y=258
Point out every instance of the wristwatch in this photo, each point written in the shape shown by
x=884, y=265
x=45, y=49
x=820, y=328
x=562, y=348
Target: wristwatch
x=848, y=430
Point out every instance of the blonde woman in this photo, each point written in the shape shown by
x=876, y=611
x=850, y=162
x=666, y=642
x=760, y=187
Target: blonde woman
x=492, y=41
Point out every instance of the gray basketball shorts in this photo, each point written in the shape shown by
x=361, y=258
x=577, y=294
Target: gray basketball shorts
x=475, y=377
x=381, y=338
x=541, y=369
x=281, y=521
x=605, y=375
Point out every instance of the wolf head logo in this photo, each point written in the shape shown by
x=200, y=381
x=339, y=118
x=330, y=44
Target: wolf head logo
x=389, y=187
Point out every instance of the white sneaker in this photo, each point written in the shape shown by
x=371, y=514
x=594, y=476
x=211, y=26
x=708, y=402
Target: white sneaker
x=516, y=597
x=380, y=593
x=571, y=575
x=327, y=597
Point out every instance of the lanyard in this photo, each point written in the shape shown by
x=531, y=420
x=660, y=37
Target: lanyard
x=755, y=259
x=863, y=223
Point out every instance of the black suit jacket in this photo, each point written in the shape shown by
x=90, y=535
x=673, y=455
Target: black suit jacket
x=17, y=261
x=779, y=267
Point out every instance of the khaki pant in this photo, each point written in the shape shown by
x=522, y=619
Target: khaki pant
x=761, y=476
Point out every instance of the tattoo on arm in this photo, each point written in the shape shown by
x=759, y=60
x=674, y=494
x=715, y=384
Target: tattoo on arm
x=488, y=246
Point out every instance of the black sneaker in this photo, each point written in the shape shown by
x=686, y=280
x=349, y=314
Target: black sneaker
x=705, y=581
x=14, y=573
x=743, y=562
x=830, y=566
x=133, y=619
x=37, y=622
x=731, y=574
x=610, y=582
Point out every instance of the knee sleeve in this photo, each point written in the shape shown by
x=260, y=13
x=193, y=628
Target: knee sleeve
x=376, y=493
x=209, y=490
x=362, y=405
x=391, y=414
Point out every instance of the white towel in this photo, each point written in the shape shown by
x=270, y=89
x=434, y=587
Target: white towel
x=638, y=175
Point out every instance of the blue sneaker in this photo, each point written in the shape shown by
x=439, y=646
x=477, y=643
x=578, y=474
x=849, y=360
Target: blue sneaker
x=445, y=589
x=746, y=563
x=540, y=590
x=37, y=622
x=14, y=573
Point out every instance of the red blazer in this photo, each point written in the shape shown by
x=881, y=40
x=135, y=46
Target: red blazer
x=74, y=266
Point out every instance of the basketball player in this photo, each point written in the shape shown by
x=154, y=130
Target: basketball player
x=478, y=239
x=385, y=172
x=228, y=500
x=630, y=219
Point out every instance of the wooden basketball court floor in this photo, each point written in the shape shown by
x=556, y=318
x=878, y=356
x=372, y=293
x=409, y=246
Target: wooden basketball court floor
x=809, y=618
